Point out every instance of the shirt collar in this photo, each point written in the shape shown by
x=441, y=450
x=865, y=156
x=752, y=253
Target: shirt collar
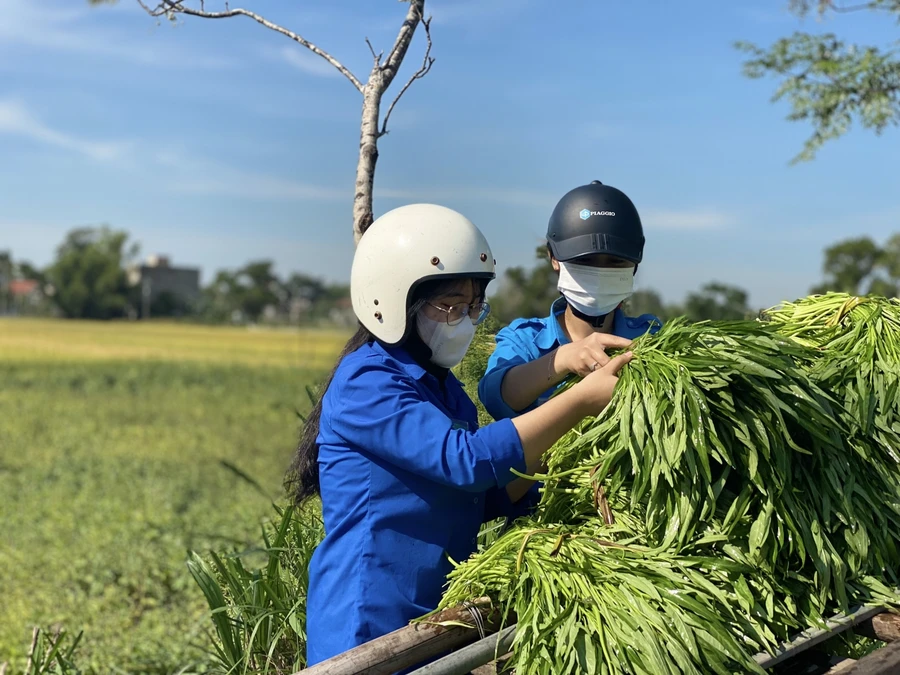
x=406, y=362
x=553, y=336
x=410, y=366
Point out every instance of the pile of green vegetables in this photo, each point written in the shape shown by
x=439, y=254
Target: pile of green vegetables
x=742, y=485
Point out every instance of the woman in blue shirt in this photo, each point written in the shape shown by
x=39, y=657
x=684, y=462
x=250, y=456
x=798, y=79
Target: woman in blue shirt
x=405, y=476
x=595, y=241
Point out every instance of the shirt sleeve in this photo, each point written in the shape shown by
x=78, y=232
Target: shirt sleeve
x=380, y=410
x=498, y=504
x=508, y=354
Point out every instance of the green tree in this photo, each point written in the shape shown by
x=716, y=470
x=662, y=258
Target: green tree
x=859, y=266
x=848, y=264
x=257, y=288
x=828, y=82
x=169, y=304
x=89, y=276
x=26, y=270
x=717, y=302
x=889, y=260
x=217, y=302
x=649, y=302
x=248, y=291
x=525, y=293
x=304, y=287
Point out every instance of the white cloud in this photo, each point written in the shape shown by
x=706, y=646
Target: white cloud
x=16, y=119
x=699, y=219
x=508, y=196
x=234, y=183
x=198, y=176
x=41, y=24
x=305, y=61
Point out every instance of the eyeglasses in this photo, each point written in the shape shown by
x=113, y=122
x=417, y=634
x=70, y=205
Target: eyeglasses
x=456, y=313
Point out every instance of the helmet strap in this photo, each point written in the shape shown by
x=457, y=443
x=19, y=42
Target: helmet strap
x=593, y=321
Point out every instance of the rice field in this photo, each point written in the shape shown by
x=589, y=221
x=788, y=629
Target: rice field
x=55, y=341
x=118, y=443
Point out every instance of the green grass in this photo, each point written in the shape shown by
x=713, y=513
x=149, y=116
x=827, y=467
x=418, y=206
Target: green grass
x=112, y=443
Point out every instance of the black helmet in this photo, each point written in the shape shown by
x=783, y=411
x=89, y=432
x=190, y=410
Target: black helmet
x=593, y=219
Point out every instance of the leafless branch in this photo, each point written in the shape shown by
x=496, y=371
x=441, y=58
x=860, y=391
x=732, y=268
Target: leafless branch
x=852, y=8
x=376, y=57
x=427, y=62
x=802, y=7
x=3, y=667
x=404, y=37
x=170, y=7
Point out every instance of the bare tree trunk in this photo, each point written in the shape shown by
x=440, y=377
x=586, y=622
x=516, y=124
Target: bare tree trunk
x=368, y=158
x=380, y=80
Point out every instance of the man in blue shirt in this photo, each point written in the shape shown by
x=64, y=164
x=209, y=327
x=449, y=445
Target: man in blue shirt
x=595, y=242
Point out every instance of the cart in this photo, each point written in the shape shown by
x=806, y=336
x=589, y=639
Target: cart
x=471, y=639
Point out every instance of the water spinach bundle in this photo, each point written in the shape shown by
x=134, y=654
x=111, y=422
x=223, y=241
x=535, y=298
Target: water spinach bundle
x=856, y=343
x=722, y=502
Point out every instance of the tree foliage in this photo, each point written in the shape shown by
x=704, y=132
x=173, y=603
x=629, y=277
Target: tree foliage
x=526, y=292
x=859, y=266
x=530, y=292
x=648, y=301
x=89, y=274
x=718, y=302
x=828, y=82
x=248, y=292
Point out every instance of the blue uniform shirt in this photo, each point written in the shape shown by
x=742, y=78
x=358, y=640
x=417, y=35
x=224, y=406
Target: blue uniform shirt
x=406, y=480
x=526, y=340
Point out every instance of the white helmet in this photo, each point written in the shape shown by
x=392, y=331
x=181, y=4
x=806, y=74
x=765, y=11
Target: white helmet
x=401, y=249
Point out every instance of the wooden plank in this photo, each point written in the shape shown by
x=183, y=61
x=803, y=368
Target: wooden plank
x=884, y=661
x=410, y=645
x=842, y=667
x=475, y=655
x=812, y=637
x=884, y=627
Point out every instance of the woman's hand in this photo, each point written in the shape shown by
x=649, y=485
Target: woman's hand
x=585, y=356
x=542, y=427
x=596, y=389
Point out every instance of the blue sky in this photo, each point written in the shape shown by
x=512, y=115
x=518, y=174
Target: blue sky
x=217, y=142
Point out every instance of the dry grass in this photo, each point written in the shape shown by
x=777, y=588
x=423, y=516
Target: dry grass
x=50, y=340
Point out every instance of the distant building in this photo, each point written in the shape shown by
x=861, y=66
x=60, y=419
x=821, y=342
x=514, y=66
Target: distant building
x=24, y=296
x=25, y=289
x=156, y=277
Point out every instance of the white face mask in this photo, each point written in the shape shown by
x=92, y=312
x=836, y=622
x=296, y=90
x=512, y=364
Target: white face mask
x=595, y=291
x=448, y=344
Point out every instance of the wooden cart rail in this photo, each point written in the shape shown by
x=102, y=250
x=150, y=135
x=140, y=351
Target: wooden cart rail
x=871, y=621
x=455, y=631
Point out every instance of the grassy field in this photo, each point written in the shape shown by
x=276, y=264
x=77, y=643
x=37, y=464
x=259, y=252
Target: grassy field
x=112, y=444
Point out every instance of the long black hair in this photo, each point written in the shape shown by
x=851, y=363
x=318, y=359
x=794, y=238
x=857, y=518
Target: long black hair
x=302, y=479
